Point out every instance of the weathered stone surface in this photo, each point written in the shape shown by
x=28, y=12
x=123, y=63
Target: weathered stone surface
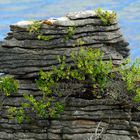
x=98, y=35
x=28, y=62
x=61, y=43
x=115, y=137
x=22, y=55
x=83, y=14
x=79, y=121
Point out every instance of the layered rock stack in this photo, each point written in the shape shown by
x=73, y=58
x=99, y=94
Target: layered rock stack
x=23, y=55
x=81, y=120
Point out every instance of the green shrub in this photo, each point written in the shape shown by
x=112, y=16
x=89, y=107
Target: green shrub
x=90, y=64
x=70, y=32
x=131, y=75
x=78, y=42
x=35, y=27
x=106, y=17
x=8, y=85
x=18, y=113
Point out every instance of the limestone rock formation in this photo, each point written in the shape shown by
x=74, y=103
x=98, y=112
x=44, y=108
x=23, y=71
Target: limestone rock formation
x=23, y=55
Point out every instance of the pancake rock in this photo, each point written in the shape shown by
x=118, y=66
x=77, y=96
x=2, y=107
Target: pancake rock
x=23, y=54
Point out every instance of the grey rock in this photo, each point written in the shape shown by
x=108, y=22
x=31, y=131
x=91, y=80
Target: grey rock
x=64, y=21
x=115, y=137
x=82, y=14
x=22, y=55
x=4, y=135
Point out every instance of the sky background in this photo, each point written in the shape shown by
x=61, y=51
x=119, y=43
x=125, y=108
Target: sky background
x=128, y=12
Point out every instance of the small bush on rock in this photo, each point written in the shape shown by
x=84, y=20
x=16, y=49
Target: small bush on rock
x=70, y=32
x=106, y=17
x=91, y=65
x=35, y=27
x=8, y=85
x=131, y=75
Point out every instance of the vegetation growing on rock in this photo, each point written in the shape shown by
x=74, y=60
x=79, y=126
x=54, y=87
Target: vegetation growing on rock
x=8, y=85
x=70, y=32
x=43, y=37
x=89, y=68
x=35, y=27
x=131, y=76
x=106, y=17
